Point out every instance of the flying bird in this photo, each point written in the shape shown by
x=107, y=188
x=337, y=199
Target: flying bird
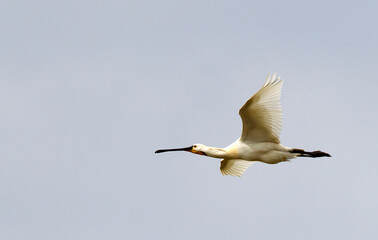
x=259, y=142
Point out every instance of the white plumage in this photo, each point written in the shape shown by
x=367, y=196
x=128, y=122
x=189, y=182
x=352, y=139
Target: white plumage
x=262, y=120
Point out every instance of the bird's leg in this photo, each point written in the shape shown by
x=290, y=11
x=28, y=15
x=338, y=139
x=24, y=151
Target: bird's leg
x=314, y=154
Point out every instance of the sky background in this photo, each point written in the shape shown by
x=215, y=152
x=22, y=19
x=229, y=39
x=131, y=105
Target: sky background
x=90, y=89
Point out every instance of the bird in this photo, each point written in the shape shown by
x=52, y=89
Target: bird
x=259, y=141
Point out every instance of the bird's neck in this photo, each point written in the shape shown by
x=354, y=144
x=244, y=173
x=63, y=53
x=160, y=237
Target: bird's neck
x=215, y=152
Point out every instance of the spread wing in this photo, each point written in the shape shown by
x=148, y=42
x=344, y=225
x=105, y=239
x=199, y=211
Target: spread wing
x=234, y=167
x=262, y=115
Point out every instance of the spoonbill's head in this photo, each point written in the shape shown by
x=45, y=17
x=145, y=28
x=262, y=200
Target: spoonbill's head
x=195, y=148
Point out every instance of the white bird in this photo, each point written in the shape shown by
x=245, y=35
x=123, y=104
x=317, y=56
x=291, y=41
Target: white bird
x=262, y=119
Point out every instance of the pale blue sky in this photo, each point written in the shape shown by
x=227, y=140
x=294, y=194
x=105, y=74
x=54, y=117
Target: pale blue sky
x=90, y=89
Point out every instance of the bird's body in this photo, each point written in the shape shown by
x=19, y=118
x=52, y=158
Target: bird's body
x=262, y=118
x=266, y=152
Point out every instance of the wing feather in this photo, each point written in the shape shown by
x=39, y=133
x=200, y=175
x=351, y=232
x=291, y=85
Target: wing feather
x=262, y=115
x=234, y=167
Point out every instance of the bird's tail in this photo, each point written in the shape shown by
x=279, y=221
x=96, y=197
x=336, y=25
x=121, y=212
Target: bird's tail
x=314, y=154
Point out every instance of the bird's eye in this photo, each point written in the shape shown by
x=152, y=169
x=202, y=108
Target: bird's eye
x=194, y=146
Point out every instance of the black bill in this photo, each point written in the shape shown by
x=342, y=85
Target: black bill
x=188, y=149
